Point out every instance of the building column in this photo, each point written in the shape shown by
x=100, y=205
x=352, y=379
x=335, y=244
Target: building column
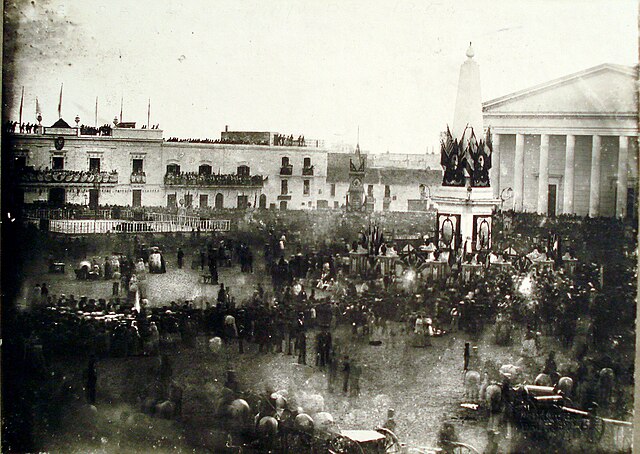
x=543, y=175
x=518, y=174
x=594, y=187
x=495, y=165
x=569, y=166
x=621, y=191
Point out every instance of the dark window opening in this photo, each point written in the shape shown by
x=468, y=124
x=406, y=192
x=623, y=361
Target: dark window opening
x=138, y=166
x=94, y=164
x=387, y=190
x=243, y=171
x=306, y=189
x=204, y=169
x=284, y=187
x=57, y=163
x=173, y=169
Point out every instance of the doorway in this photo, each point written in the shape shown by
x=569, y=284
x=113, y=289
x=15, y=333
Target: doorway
x=94, y=197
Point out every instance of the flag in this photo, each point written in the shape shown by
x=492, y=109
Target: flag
x=60, y=102
x=488, y=149
x=21, y=104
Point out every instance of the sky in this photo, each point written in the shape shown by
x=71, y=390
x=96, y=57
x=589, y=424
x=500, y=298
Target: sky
x=318, y=68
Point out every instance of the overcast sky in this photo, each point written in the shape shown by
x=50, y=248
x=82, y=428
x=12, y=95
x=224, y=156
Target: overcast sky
x=318, y=68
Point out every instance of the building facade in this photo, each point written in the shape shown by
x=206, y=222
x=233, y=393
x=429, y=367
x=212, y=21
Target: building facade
x=568, y=146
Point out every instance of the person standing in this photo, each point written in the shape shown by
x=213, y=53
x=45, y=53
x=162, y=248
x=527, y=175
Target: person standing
x=332, y=363
x=467, y=355
x=356, y=372
x=346, y=371
x=180, y=258
x=91, y=375
x=203, y=257
x=302, y=348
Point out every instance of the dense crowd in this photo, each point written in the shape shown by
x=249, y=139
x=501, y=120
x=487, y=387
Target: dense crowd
x=197, y=179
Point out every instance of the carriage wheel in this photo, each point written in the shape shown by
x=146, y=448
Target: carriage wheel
x=391, y=442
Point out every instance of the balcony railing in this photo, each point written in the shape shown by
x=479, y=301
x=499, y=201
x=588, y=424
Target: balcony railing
x=65, y=177
x=286, y=170
x=138, y=177
x=229, y=180
x=307, y=171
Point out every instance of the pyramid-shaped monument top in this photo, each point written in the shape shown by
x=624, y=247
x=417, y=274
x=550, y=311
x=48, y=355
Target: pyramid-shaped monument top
x=468, y=111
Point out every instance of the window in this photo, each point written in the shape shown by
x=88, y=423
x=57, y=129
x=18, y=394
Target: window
x=307, y=162
x=204, y=201
x=283, y=205
x=57, y=163
x=305, y=187
x=204, y=169
x=387, y=190
x=94, y=197
x=172, y=201
x=173, y=169
x=188, y=200
x=263, y=201
x=20, y=162
x=219, y=201
x=138, y=166
x=284, y=187
x=285, y=162
x=57, y=196
x=137, y=197
x=333, y=189
x=336, y=204
x=243, y=201
x=370, y=190
x=94, y=164
x=243, y=171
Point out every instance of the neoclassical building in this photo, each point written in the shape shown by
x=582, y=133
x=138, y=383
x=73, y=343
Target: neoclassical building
x=569, y=145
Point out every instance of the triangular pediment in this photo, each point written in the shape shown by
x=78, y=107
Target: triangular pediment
x=606, y=88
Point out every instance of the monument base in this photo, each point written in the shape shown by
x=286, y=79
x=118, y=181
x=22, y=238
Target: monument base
x=464, y=217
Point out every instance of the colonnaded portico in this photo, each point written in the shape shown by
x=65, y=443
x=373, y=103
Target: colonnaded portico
x=569, y=146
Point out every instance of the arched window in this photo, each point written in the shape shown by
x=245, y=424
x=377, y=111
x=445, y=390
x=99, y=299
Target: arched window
x=307, y=162
x=285, y=161
x=219, y=201
x=204, y=169
x=263, y=201
x=243, y=171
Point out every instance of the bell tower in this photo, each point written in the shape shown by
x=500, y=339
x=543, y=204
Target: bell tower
x=355, y=196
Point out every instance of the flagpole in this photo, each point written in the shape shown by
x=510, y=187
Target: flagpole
x=148, y=113
x=121, y=103
x=96, y=117
x=60, y=102
x=21, y=103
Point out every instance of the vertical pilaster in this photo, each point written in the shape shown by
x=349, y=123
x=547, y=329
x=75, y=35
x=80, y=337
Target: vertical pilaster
x=495, y=165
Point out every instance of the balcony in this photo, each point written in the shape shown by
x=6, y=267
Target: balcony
x=138, y=178
x=286, y=170
x=203, y=181
x=67, y=177
x=307, y=171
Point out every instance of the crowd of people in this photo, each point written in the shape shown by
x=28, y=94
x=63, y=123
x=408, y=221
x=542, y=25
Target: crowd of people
x=22, y=128
x=104, y=130
x=197, y=179
x=288, y=141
